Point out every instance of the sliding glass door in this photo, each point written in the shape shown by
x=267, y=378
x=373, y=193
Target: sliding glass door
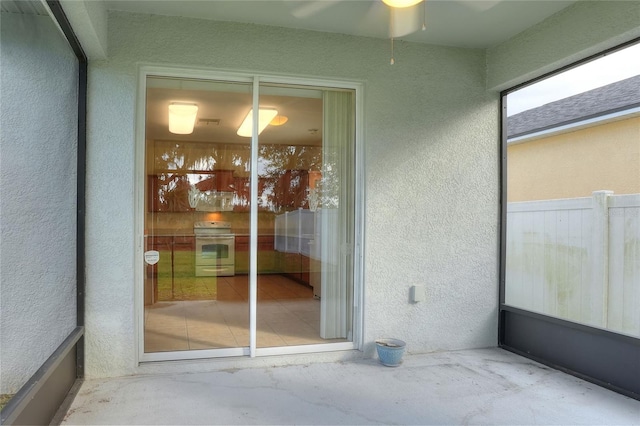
x=196, y=174
x=248, y=217
x=306, y=180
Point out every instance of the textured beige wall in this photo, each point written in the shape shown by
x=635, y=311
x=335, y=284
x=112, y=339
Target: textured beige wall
x=38, y=134
x=583, y=29
x=577, y=163
x=430, y=154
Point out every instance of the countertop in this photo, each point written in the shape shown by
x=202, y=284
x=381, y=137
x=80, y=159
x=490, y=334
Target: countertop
x=170, y=233
x=189, y=233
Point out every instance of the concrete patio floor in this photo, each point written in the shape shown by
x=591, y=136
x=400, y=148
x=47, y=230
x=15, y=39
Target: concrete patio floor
x=487, y=386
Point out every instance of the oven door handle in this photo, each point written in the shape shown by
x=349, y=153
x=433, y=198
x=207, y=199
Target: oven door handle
x=214, y=237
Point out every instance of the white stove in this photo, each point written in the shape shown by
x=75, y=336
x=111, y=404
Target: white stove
x=215, y=249
x=211, y=228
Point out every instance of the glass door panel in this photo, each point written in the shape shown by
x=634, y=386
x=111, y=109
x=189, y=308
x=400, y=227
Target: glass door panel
x=196, y=215
x=306, y=210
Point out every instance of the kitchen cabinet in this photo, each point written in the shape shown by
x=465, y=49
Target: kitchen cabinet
x=293, y=236
x=291, y=189
x=169, y=192
x=304, y=269
x=296, y=266
x=267, y=260
x=294, y=231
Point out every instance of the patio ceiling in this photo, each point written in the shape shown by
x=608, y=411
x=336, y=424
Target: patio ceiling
x=460, y=23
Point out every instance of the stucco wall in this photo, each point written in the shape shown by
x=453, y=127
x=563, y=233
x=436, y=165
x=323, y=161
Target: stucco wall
x=430, y=148
x=38, y=195
x=586, y=28
x=575, y=164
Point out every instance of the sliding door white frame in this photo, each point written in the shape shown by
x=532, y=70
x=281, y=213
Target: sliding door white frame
x=255, y=79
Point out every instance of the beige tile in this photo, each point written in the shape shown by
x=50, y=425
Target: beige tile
x=303, y=291
x=307, y=305
x=293, y=331
x=315, y=325
x=287, y=315
x=205, y=323
x=306, y=316
x=235, y=321
x=233, y=305
x=166, y=306
x=270, y=307
x=265, y=297
x=297, y=340
x=174, y=331
x=206, y=338
x=204, y=319
x=161, y=322
x=236, y=316
x=242, y=339
x=236, y=313
x=277, y=317
x=165, y=340
x=214, y=327
x=266, y=340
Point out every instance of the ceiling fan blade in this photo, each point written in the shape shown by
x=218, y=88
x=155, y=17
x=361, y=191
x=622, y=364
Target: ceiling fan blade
x=480, y=5
x=310, y=8
x=405, y=20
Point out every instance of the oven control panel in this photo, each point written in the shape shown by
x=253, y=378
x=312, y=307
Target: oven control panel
x=211, y=228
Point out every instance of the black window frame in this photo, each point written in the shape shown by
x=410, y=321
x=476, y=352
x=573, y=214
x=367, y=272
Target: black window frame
x=602, y=357
x=46, y=394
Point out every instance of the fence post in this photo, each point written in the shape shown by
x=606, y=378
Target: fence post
x=600, y=258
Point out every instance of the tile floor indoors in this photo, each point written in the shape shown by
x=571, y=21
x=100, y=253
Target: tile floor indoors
x=288, y=314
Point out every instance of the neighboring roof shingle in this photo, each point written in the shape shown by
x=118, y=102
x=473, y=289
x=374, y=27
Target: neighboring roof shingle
x=624, y=94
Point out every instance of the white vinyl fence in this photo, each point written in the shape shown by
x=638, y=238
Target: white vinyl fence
x=577, y=259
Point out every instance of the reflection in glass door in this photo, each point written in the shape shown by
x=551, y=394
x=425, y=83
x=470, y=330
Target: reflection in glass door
x=305, y=177
x=231, y=206
x=197, y=180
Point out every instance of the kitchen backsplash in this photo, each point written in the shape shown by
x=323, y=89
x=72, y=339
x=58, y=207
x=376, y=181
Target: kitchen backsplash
x=183, y=222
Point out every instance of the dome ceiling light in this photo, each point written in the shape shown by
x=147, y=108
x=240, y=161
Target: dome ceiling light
x=401, y=3
x=279, y=120
x=265, y=115
x=182, y=117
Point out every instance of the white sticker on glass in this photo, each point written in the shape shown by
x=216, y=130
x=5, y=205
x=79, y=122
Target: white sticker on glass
x=151, y=257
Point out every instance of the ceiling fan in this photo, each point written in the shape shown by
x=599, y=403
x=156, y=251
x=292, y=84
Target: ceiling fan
x=405, y=16
x=405, y=19
x=407, y=12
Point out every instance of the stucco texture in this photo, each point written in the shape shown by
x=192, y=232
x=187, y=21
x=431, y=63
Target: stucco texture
x=431, y=158
x=574, y=164
x=583, y=29
x=38, y=135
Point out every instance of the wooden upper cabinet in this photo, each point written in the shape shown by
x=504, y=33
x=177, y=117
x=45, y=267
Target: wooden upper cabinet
x=291, y=191
x=287, y=190
x=168, y=192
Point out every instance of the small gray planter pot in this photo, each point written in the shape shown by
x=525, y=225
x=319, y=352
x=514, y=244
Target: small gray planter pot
x=390, y=351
